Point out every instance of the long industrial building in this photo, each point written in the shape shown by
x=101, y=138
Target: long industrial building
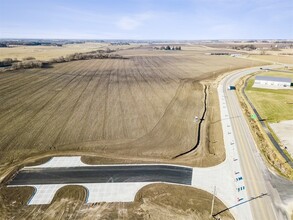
x=272, y=82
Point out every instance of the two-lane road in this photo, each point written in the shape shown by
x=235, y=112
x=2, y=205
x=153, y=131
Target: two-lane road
x=251, y=164
x=104, y=174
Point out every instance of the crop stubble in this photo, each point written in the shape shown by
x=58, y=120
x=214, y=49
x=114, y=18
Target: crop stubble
x=143, y=106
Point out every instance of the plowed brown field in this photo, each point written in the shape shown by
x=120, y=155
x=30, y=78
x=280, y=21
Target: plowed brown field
x=140, y=107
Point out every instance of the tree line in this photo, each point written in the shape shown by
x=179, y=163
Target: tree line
x=168, y=47
x=31, y=62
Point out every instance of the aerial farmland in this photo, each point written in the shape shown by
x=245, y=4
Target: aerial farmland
x=140, y=108
x=146, y=110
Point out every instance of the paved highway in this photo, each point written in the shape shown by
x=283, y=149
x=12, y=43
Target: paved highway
x=254, y=171
x=104, y=174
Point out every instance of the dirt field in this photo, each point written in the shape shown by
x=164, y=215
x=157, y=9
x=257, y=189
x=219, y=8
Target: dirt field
x=155, y=201
x=141, y=107
x=273, y=58
x=284, y=130
x=48, y=52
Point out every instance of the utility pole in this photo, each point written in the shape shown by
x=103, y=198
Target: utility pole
x=213, y=201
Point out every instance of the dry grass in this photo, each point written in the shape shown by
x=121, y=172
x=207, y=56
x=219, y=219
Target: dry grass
x=273, y=58
x=48, y=52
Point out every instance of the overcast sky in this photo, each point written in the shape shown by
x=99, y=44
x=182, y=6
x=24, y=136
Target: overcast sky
x=147, y=19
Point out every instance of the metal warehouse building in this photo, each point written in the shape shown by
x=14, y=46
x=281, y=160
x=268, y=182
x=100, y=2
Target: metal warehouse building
x=269, y=81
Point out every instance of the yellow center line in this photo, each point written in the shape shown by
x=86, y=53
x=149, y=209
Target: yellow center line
x=249, y=167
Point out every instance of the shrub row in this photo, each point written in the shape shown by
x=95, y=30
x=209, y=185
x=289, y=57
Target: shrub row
x=31, y=62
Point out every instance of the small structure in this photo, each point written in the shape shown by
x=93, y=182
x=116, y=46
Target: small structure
x=272, y=82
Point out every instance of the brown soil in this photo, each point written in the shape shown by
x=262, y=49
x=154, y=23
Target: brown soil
x=141, y=108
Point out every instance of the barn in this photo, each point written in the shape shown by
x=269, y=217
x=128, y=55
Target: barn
x=272, y=82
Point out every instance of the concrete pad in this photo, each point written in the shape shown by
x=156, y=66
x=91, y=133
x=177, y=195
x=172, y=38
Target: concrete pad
x=229, y=181
x=284, y=131
x=96, y=192
x=113, y=192
x=44, y=194
x=75, y=161
x=62, y=162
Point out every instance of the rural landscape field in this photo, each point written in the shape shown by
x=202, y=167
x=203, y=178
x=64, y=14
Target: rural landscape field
x=146, y=110
x=137, y=109
x=142, y=106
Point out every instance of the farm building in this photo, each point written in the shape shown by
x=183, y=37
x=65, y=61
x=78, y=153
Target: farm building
x=272, y=82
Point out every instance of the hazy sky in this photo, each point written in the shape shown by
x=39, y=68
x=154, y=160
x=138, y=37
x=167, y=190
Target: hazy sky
x=147, y=19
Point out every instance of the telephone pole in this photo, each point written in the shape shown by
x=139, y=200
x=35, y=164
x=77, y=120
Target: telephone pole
x=213, y=201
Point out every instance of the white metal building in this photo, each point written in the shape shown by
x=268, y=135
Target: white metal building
x=269, y=81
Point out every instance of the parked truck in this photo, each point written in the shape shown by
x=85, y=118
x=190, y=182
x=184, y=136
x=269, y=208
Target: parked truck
x=231, y=88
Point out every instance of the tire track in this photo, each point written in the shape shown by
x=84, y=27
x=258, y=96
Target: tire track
x=20, y=110
x=90, y=108
x=105, y=118
x=124, y=128
x=6, y=143
x=31, y=93
x=135, y=104
x=74, y=106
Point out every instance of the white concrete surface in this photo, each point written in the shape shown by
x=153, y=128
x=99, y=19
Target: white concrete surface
x=44, y=194
x=96, y=192
x=113, y=192
x=62, y=162
x=225, y=176
x=284, y=131
x=75, y=161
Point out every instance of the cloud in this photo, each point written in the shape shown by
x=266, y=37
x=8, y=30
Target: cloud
x=134, y=21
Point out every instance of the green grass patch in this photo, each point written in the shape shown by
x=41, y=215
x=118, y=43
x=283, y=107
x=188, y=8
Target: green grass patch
x=273, y=105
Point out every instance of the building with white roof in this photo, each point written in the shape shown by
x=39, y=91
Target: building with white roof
x=272, y=82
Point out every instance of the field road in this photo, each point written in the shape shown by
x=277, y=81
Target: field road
x=104, y=174
x=258, y=179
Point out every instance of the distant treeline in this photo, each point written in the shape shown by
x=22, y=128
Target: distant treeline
x=30, y=43
x=31, y=62
x=244, y=47
x=98, y=54
x=220, y=53
x=168, y=47
x=120, y=43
